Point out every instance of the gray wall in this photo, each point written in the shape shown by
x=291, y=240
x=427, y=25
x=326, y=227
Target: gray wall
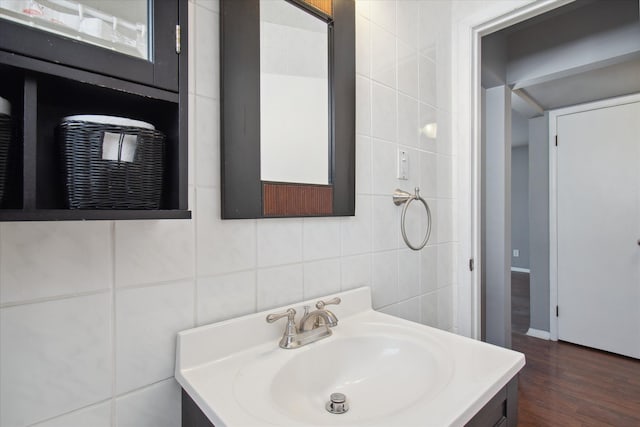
x=520, y=205
x=496, y=215
x=494, y=60
x=539, y=221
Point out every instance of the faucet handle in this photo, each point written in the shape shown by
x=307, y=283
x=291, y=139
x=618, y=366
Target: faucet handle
x=320, y=304
x=290, y=314
x=288, y=339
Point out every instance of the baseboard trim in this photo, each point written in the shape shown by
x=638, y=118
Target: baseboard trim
x=537, y=333
x=521, y=270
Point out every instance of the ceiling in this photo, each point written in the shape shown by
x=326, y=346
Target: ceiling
x=607, y=82
x=582, y=29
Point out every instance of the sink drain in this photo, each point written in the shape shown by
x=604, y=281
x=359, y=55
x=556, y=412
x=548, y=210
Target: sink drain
x=337, y=403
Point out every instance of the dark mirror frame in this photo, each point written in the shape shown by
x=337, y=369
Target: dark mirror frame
x=244, y=194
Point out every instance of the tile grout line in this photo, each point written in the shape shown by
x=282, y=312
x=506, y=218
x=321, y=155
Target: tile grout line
x=71, y=412
x=192, y=139
x=255, y=267
x=194, y=278
x=1, y=269
x=113, y=324
x=397, y=147
x=303, y=260
x=370, y=130
x=52, y=298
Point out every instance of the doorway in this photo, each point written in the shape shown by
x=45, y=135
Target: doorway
x=541, y=86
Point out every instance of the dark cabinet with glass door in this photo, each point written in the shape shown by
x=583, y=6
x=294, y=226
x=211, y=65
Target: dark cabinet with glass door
x=64, y=58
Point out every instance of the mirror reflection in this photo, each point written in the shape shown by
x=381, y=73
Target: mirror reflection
x=294, y=95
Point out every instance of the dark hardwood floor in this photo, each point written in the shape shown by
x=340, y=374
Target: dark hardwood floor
x=519, y=302
x=568, y=385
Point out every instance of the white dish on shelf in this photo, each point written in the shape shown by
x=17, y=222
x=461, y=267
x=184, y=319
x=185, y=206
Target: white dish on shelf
x=110, y=120
x=5, y=107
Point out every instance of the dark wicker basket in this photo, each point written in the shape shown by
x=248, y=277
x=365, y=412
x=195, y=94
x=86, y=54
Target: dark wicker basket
x=93, y=182
x=5, y=141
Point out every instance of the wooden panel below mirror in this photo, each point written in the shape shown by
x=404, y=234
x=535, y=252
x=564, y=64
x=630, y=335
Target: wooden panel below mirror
x=287, y=199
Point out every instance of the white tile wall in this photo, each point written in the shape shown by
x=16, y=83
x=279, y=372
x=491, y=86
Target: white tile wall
x=207, y=137
x=408, y=274
x=363, y=164
x=206, y=49
x=384, y=283
x=321, y=278
x=409, y=124
x=408, y=15
x=363, y=105
x=355, y=271
x=429, y=269
x=147, y=320
x=384, y=164
x=428, y=93
x=56, y=357
x=386, y=229
x=221, y=246
x=409, y=309
x=428, y=175
x=41, y=260
x=155, y=406
x=356, y=231
x=429, y=309
x=383, y=62
x=429, y=116
x=227, y=296
x=89, y=311
x=192, y=125
x=363, y=45
x=383, y=13
x=384, y=112
x=153, y=251
x=94, y=416
x=321, y=238
x=408, y=72
x=279, y=242
x=279, y=286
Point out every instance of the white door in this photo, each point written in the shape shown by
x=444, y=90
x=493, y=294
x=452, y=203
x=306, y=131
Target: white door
x=598, y=199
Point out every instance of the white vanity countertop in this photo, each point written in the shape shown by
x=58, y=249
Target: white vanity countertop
x=237, y=374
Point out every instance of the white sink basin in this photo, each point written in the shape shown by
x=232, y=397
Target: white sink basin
x=380, y=375
x=393, y=372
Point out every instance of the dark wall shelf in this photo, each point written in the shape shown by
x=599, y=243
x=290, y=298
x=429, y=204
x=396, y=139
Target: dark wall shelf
x=90, y=215
x=43, y=91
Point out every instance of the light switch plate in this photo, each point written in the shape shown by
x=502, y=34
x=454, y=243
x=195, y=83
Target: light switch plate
x=403, y=164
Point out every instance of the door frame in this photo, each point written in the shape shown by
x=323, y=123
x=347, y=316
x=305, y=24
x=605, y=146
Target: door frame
x=466, y=122
x=553, y=194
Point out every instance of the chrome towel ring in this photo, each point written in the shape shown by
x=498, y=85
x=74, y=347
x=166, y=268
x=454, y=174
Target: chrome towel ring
x=400, y=197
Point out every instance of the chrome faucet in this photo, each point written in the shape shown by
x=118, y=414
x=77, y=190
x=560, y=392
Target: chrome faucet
x=319, y=317
x=314, y=325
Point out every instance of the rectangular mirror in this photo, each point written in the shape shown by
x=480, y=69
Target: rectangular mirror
x=288, y=108
x=294, y=94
